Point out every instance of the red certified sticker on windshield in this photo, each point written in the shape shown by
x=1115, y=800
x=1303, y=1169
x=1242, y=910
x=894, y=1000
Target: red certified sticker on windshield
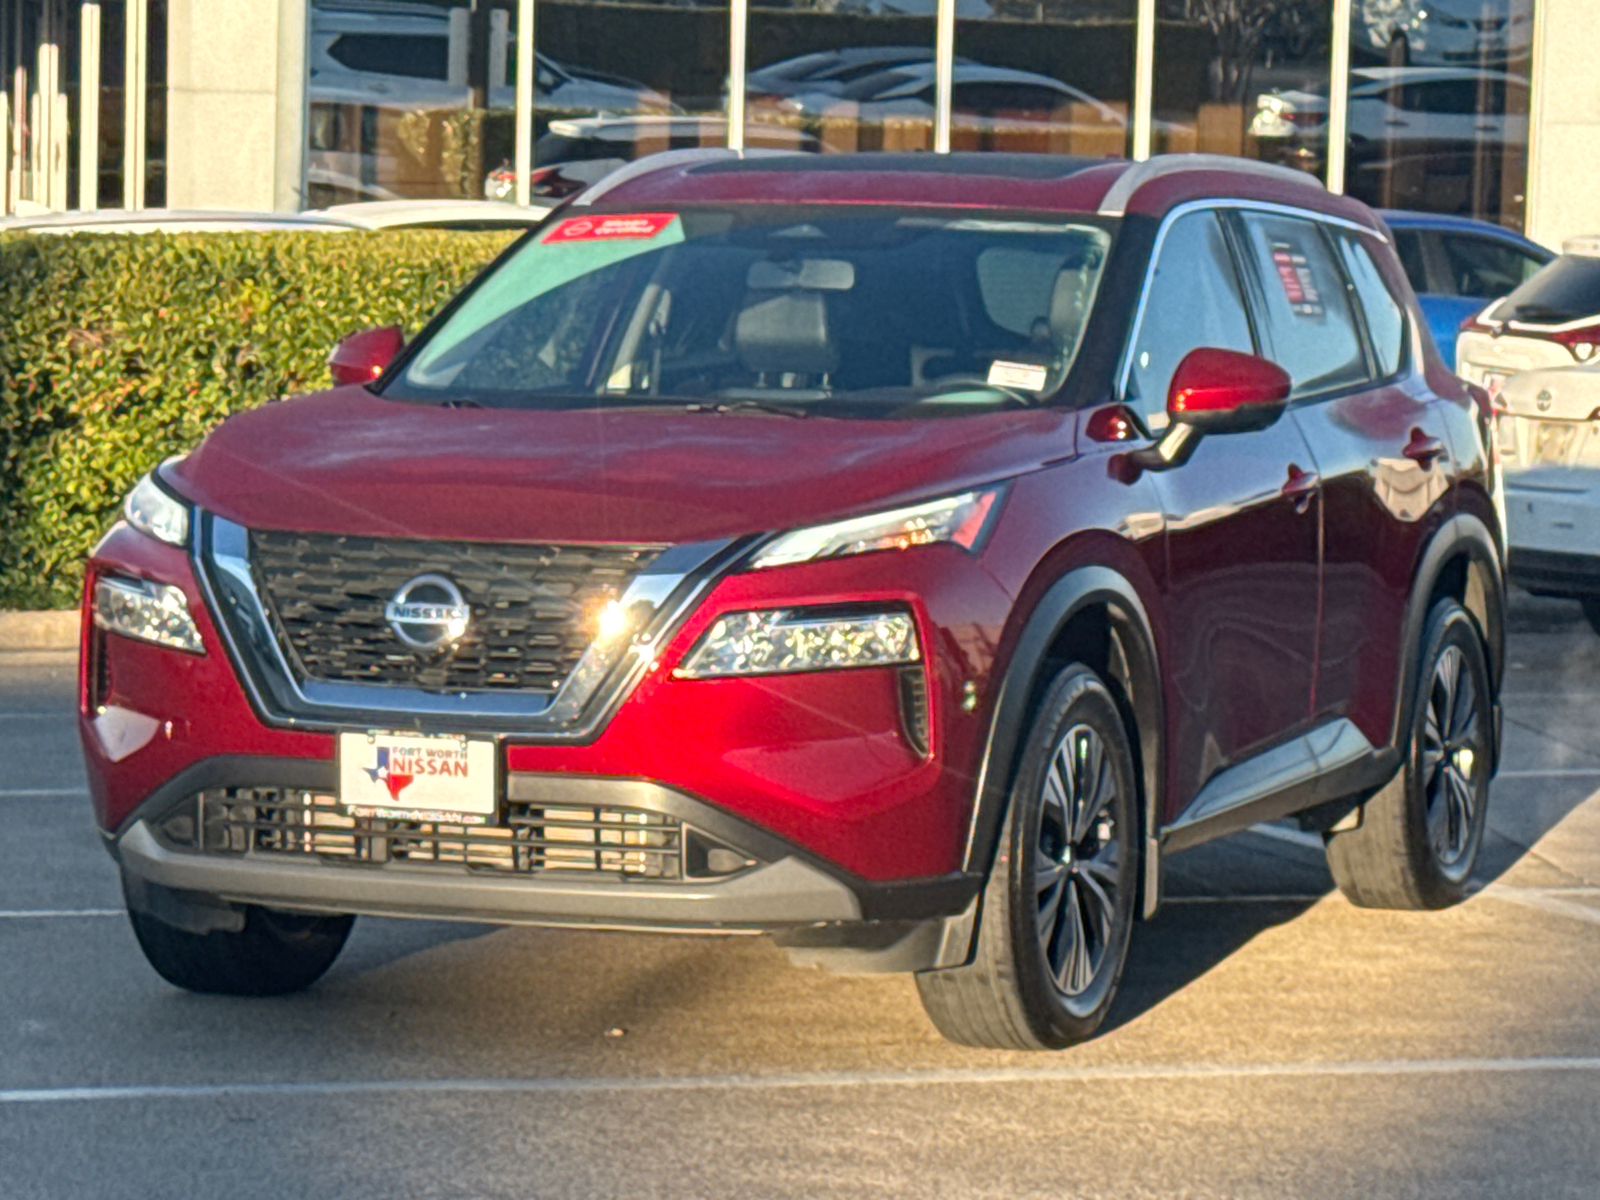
x=609, y=228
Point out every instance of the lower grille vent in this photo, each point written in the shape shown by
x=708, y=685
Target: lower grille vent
x=531, y=839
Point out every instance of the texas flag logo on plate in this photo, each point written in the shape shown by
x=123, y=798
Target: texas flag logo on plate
x=382, y=772
x=614, y=227
x=411, y=777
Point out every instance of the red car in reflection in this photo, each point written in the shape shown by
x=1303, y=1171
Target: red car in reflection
x=898, y=555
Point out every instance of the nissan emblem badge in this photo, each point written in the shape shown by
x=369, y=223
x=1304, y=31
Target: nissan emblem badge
x=428, y=613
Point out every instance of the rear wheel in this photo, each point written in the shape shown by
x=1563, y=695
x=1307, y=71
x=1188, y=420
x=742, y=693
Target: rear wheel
x=1058, y=910
x=1419, y=837
x=274, y=954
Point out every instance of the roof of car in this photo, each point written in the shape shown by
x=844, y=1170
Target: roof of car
x=1402, y=219
x=171, y=220
x=444, y=213
x=1038, y=182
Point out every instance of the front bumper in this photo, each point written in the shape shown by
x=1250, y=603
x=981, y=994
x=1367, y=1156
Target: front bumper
x=825, y=914
x=769, y=896
x=825, y=761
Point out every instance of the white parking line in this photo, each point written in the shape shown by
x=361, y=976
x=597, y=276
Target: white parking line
x=792, y=1081
x=65, y=714
x=45, y=914
x=1550, y=900
x=31, y=793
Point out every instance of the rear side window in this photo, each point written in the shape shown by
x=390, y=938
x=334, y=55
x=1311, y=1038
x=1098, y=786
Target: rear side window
x=1484, y=268
x=1408, y=245
x=1566, y=290
x=1307, y=319
x=1194, y=301
x=1386, y=322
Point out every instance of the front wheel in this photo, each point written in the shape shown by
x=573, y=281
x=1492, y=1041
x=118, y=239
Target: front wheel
x=1419, y=837
x=274, y=954
x=1058, y=910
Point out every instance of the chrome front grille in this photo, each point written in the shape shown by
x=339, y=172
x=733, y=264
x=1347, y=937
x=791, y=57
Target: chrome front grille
x=533, y=607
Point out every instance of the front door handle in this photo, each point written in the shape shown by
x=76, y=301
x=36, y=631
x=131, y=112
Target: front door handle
x=1301, y=487
x=1423, y=450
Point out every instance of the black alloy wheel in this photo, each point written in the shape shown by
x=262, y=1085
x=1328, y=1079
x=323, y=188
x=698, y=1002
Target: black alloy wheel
x=1077, y=865
x=1057, y=914
x=1418, y=837
x=1452, y=752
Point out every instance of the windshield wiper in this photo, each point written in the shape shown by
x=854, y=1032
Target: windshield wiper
x=766, y=406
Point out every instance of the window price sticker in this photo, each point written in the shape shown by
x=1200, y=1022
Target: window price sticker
x=1294, y=273
x=1028, y=376
x=611, y=228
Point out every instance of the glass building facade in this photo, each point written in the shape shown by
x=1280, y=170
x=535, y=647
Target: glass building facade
x=1417, y=104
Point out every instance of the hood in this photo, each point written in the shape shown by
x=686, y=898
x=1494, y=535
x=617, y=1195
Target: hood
x=347, y=461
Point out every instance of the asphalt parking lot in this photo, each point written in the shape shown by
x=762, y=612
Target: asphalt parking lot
x=1271, y=1041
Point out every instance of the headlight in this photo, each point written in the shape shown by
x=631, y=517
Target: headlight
x=782, y=641
x=960, y=519
x=147, y=612
x=150, y=509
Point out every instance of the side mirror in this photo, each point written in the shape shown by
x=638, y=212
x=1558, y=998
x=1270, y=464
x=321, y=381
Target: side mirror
x=363, y=356
x=1216, y=391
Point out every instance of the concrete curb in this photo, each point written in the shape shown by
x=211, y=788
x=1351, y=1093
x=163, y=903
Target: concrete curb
x=51, y=630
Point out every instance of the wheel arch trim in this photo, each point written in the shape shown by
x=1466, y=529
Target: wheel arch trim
x=1133, y=646
x=1461, y=536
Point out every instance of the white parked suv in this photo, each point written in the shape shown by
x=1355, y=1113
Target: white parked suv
x=1549, y=434
x=1537, y=352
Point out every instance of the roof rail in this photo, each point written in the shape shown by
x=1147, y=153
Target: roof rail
x=1135, y=177
x=661, y=161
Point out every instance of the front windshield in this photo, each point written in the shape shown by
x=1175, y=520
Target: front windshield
x=872, y=312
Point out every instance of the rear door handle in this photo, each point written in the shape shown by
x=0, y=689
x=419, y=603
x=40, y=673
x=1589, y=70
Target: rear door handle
x=1301, y=487
x=1423, y=450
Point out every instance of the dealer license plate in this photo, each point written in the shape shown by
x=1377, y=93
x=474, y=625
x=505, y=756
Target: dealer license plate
x=406, y=777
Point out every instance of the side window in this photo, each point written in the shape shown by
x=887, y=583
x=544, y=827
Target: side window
x=1486, y=268
x=1308, y=323
x=1386, y=322
x=1194, y=301
x=1408, y=245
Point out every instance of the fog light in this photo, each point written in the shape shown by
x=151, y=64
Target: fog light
x=146, y=612
x=782, y=641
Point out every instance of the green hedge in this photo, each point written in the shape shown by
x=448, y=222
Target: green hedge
x=116, y=352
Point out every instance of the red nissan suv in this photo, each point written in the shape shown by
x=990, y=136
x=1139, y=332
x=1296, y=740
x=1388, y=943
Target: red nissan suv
x=897, y=555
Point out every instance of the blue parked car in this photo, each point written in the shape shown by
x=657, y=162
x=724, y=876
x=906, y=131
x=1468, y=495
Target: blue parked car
x=1457, y=265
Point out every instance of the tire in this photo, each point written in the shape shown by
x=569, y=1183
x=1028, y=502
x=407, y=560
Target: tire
x=274, y=954
x=1419, y=836
x=1591, y=612
x=1057, y=912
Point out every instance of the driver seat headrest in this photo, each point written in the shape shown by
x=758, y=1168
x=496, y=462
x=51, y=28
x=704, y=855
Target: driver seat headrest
x=785, y=332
